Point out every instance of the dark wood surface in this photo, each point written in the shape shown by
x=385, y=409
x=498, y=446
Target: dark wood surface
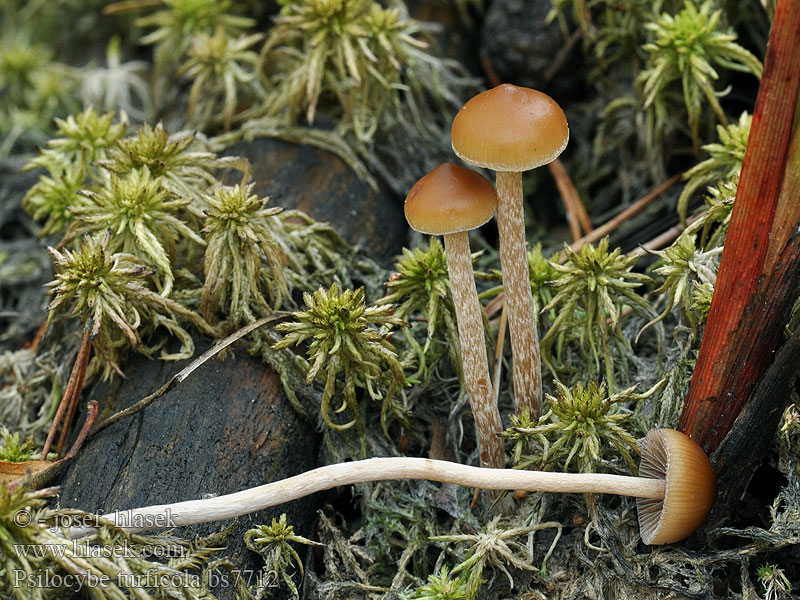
x=225, y=428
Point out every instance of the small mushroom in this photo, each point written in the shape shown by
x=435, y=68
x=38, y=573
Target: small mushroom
x=449, y=201
x=512, y=129
x=690, y=487
x=675, y=488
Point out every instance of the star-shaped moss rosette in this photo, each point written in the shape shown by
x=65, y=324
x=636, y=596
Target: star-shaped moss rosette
x=593, y=287
x=420, y=284
x=185, y=168
x=347, y=337
x=54, y=197
x=119, y=86
x=360, y=55
x=495, y=547
x=244, y=263
x=712, y=223
x=109, y=292
x=180, y=21
x=144, y=218
x=581, y=424
x=686, y=48
x=684, y=269
x=723, y=163
x=79, y=141
x=274, y=543
x=14, y=450
x=441, y=586
x=221, y=70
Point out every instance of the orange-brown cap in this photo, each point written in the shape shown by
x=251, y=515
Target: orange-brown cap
x=450, y=199
x=690, y=487
x=509, y=128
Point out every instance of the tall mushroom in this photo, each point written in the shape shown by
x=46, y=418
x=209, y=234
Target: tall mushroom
x=512, y=129
x=675, y=488
x=450, y=201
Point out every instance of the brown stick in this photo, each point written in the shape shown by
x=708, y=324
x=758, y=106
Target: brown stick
x=714, y=399
x=632, y=210
x=81, y=362
x=577, y=217
x=66, y=397
x=91, y=414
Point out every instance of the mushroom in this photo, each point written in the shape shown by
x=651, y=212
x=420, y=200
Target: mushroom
x=675, y=488
x=449, y=201
x=512, y=129
x=690, y=490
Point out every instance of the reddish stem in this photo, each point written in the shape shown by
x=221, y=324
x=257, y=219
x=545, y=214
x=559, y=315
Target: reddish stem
x=717, y=392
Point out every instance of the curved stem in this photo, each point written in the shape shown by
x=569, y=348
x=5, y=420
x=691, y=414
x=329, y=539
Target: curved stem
x=516, y=282
x=473, y=349
x=375, y=469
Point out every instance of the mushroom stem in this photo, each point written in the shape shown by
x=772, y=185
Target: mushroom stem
x=473, y=349
x=374, y=469
x=526, y=365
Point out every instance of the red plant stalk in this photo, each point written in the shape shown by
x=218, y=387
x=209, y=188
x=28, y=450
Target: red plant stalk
x=724, y=375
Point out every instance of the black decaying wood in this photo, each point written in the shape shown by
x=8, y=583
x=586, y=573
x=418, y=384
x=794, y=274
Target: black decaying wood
x=753, y=433
x=226, y=428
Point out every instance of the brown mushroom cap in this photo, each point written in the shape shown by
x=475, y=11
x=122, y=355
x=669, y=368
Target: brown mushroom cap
x=509, y=128
x=690, y=487
x=450, y=199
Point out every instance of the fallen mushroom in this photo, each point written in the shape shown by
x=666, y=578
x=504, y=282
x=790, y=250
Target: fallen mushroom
x=675, y=488
x=449, y=201
x=512, y=129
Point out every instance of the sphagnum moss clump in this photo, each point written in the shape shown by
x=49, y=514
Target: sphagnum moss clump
x=355, y=57
x=686, y=48
x=723, y=163
x=184, y=168
x=244, y=264
x=581, y=425
x=348, y=337
x=441, y=586
x=180, y=21
x=144, y=218
x=220, y=69
x=54, y=198
x=592, y=287
x=15, y=450
x=420, y=284
x=274, y=543
x=109, y=293
x=684, y=269
x=80, y=140
x=495, y=547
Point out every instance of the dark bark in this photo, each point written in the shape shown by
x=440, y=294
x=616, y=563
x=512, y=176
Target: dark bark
x=225, y=428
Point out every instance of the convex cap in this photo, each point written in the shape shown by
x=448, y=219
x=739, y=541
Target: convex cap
x=690, y=487
x=450, y=199
x=509, y=128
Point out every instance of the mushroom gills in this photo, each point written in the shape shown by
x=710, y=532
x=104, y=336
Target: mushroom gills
x=690, y=487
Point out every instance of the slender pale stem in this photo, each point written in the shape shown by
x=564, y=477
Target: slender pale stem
x=375, y=469
x=473, y=349
x=527, y=368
